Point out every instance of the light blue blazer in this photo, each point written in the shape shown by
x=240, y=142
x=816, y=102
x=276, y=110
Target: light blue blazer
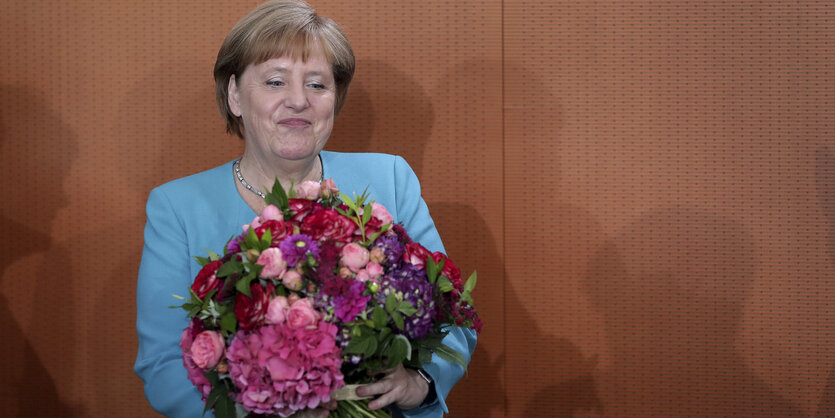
x=187, y=216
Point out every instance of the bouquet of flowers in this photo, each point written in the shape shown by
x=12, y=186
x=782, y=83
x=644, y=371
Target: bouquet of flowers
x=319, y=289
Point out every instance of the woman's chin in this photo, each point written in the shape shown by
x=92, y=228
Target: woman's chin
x=296, y=154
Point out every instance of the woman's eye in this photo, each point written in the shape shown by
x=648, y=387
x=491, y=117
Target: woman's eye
x=317, y=86
x=275, y=83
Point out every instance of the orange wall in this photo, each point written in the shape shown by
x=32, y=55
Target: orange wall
x=646, y=188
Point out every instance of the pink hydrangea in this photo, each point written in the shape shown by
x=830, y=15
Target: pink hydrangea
x=279, y=370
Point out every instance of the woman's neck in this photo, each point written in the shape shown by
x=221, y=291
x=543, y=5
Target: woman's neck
x=261, y=172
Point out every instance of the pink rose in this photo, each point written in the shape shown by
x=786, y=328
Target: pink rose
x=277, y=311
x=292, y=280
x=329, y=189
x=354, y=256
x=377, y=255
x=274, y=264
x=302, y=314
x=363, y=276
x=256, y=222
x=374, y=270
x=271, y=213
x=207, y=349
x=380, y=212
x=308, y=190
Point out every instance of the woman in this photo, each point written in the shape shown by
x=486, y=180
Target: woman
x=281, y=75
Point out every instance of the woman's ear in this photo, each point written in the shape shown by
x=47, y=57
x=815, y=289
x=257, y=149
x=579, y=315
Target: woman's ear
x=232, y=96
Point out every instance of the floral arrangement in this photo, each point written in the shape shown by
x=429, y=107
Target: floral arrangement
x=319, y=289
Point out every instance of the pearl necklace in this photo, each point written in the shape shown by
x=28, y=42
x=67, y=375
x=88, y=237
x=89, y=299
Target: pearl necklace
x=237, y=167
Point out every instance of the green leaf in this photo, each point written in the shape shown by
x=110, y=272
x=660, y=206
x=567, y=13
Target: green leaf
x=444, y=284
x=243, y=284
x=251, y=240
x=228, y=322
x=219, y=391
x=364, y=344
x=384, y=333
x=379, y=317
x=212, y=255
x=424, y=355
x=348, y=201
x=202, y=260
x=406, y=308
x=374, y=236
x=229, y=268
x=366, y=214
x=398, y=320
x=391, y=303
x=451, y=355
x=399, y=350
x=372, y=347
x=292, y=192
x=432, y=270
x=266, y=240
x=278, y=197
x=469, y=286
x=225, y=407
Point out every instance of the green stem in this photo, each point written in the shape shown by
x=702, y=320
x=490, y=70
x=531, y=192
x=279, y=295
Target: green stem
x=357, y=408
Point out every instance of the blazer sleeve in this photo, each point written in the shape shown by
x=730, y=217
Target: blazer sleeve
x=163, y=272
x=413, y=212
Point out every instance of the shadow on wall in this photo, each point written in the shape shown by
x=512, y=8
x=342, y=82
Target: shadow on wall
x=825, y=184
x=39, y=148
x=386, y=111
x=169, y=126
x=672, y=287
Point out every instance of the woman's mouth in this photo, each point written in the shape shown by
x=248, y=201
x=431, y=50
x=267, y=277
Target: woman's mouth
x=294, y=122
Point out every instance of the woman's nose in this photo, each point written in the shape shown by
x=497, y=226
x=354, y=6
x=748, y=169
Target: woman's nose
x=296, y=97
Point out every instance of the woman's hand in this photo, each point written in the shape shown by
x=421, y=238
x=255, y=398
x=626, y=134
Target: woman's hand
x=400, y=386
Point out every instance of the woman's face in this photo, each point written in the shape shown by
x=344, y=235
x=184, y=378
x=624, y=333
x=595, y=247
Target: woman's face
x=286, y=105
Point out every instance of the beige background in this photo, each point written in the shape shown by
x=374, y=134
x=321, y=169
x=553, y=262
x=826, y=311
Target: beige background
x=647, y=189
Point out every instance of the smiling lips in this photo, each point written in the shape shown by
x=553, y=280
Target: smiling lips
x=294, y=122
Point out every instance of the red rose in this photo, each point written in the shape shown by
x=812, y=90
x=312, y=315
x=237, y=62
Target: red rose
x=251, y=311
x=402, y=236
x=373, y=226
x=278, y=231
x=416, y=255
x=207, y=280
x=328, y=224
x=300, y=208
x=450, y=270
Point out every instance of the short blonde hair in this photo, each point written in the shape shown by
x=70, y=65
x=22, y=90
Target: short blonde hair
x=275, y=29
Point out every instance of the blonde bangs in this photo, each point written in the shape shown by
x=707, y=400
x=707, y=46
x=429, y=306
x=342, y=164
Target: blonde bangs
x=294, y=44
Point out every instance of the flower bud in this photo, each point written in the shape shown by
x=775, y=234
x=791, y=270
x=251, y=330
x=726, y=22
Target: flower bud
x=345, y=272
x=373, y=287
x=252, y=255
x=223, y=367
x=292, y=280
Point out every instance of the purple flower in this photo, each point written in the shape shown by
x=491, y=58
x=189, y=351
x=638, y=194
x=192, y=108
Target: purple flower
x=392, y=248
x=409, y=284
x=296, y=247
x=350, y=302
x=234, y=245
